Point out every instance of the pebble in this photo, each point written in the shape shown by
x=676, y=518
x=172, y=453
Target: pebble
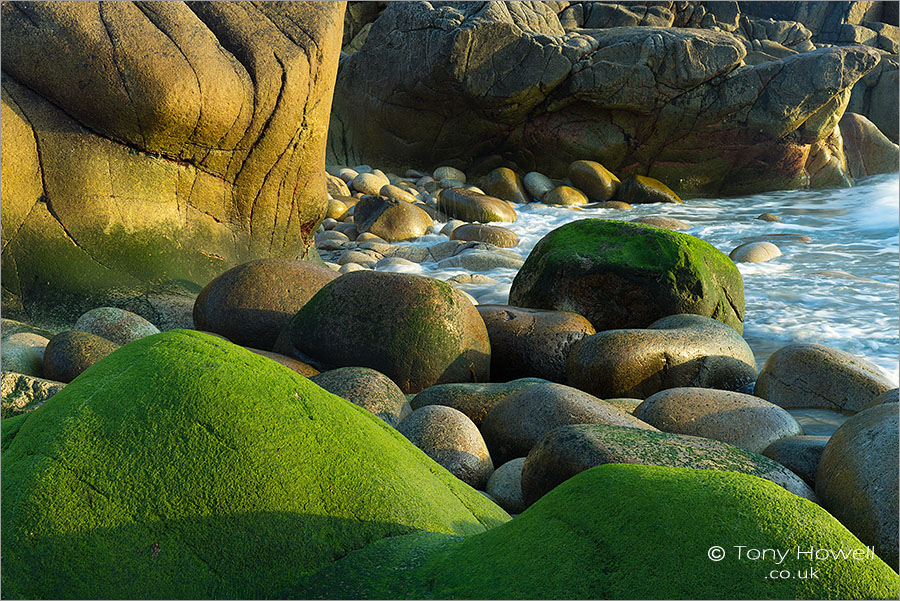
x=770, y=217
x=369, y=183
x=450, y=226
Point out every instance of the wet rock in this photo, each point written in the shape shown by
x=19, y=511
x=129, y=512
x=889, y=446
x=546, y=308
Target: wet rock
x=492, y=234
x=565, y=196
x=451, y=225
x=23, y=353
x=21, y=393
x=336, y=186
x=474, y=400
x=452, y=440
x=505, y=486
x=114, y=324
x=304, y=369
x=481, y=260
x=595, y=180
x=474, y=279
x=471, y=206
x=392, y=220
x=867, y=150
x=819, y=376
x=740, y=419
x=625, y=404
x=531, y=342
x=639, y=189
x=368, y=388
x=676, y=351
x=70, y=353
x=890, y=396
x=609, y=204
x=800, y=454
x=755, y=252
x=442, y=173
x=369, y=183
x=770, y=217
x=668, y=223
x=505, y=184
x=392, y=192
x=537, y=184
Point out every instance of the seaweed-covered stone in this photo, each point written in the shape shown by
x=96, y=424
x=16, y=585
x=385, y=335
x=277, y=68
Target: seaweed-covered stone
x=390, y=219
x=370, y=389
x=569, y=450
x=115, y=324
x=639, y=189
x=416, y=330
x=474, y=400
x=590, y=539
x=675, y=351
x=71, y=352
x=452, y=440
x=505, y=485
x=857, y=477
x=185, y=467
x=531, y=342
x=819, y=376
x=251, y=303
x=740, y=419
x=595, y=180
x=468, y=205
x=518, y=422
x=628, y=275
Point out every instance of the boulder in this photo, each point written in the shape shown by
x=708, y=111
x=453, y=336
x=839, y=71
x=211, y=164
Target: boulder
x=866, y=149
x=371, y=390
x=71, y=352
x=467, y=205
x=800, y=454
x=475, y=401
x=176, y=141
x=537, y=184
x=595, y=180
x=114, y=324
x=336, y=186
x=450, y=173
x=531, y=342
x=505, y=485
x=23, y=352
x=304, y=369
x=482, y=260
x=569, y=450
x=819, y=376
x=251, y=303
x=370, y=183
x=755, y=252
x=222, y=473
x=452, y=440
x=639, y=189
x=390, y=219
x=668, y=223
x=565, y=196
x=857, y=478
x=589, y=539
x=890, y=396
x=505, y=184
x=21, y=393
x=491, y=234
x=418, y=331
x=628, y=275
x=676, y=351
x=392, y=192
x=743, y=420
x=519, y=421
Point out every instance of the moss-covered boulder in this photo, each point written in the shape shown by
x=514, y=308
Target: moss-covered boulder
x=628, y=275
x=416, y=330
x=624, y=532
x=183, y=467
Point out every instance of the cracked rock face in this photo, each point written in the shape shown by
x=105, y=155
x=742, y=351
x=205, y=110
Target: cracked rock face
x=452, y=82
x=146, y=144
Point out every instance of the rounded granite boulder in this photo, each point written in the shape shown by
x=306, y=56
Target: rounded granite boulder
x=418, y=331
x=452, y=440
x=518, y=422
x=857, y=477
x=115, y=324
x=569, y=450
x=627, y=275
x=537, y=184
x=595, y=180
x=468, y=205
x=474, y=400
x=565, y=196
x=505, y=485
x=491, y=234
x=743, y=420
x=23, y=353
x=390, y=219
x=625, y=532
x=531, y=342
x=800, y=454
x=675, y=351
x=251, y=303
x=639, y=189
x=183, y=466
x=755, y=252
x=71, y=352
x=505, y=184
x=370, y=389
x=819, y=376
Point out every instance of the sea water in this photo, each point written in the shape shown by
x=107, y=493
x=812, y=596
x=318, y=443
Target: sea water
x=836, y=282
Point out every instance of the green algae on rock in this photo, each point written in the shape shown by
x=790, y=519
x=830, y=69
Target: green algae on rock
x=183, y=466
x=588, y=539
x=627, y=275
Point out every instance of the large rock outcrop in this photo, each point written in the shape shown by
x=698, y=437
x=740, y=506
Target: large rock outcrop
x=152, y=144
x=455, y=82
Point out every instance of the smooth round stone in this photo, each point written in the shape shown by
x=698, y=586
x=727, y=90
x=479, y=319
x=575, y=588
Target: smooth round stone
x=442, y=173
x=505, y=486
x=770, y=217
x=506, y=184
x=890, y=396
x=537, y=184
x=639, y=189
x=519, y=421
x=336, y=186
x=474, y=400
x=347, y=174
x=356, y=256
x=368, y=238
x=332, y=235
x=452, y=440
x=481, y=260
x=570, y=450
x=22, y=358
x=363, y=169
x=348, y=229
x=609, y=204
x=351, y=267
x=492, y=234
x=800, y=454
x=668, y=223
x=740, y=419
x=329, y=223
x=329, y=245
x=416, y=254
x=428, y=185
x=368, y=388
x=251, y=303
x=676, y=351
x=442, y=250
x=369, y=183
x=471, y=206
x=565, y=195
x=857, y=478
x=70, y=353
x=414, y=174
x=451, y=225
x=336, y=209
x=115, y=324
x=456, y=183
x=819, y=376
x=755, y=252
x=392, y=192
x=595, y=180
x=304, y=369
x=392, y=220
x=398, y=265
x=531, y=342
x=475, y=279
x=625, y=404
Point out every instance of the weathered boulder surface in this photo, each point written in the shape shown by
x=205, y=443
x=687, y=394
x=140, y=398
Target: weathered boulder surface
x=473, y=400
x=509, y=79
x=370, y=389
x=147, y=146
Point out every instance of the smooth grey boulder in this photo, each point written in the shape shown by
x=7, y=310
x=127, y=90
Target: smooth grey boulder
x=505, y=486
x=115, y=324
x=368, y=388
x=474, y=400
x=71, y=352
x=800, y=454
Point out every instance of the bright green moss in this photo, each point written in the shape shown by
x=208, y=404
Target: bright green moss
x=183, y=466
x=622, y=532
